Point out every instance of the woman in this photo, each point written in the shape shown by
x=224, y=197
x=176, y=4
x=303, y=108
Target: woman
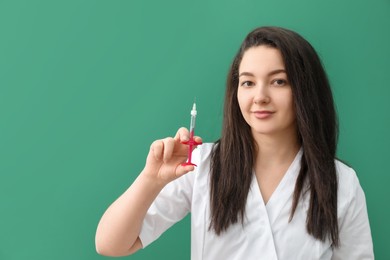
x=271, y=187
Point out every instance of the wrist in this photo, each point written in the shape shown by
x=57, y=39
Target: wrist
x=150, y=180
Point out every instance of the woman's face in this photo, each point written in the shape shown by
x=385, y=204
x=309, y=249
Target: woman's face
x=264, y=93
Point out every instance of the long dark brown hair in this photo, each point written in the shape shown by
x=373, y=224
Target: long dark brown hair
x=233, y=157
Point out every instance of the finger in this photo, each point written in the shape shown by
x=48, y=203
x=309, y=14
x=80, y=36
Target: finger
x=182, y=134
x=198, y=139
x=169, y=145
x=181, y=170
x=157, y=148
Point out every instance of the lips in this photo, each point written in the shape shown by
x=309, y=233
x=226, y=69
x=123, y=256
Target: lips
x=263, y=114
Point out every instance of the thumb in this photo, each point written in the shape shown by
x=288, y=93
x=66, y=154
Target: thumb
x=181, y=170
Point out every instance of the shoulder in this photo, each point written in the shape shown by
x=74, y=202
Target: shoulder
x=348, y=185
x=204, y=150
x=202, y=154
x=354, y=227
x=202, y=158
x=346, y=175
x=343, y=170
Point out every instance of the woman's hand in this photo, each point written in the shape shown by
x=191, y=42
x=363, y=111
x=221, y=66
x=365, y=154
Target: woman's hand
x=119, y=228
x=163, y=163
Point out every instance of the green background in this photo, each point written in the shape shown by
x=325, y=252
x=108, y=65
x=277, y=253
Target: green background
x=86, y=86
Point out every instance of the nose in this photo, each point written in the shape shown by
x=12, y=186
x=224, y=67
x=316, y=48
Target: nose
x=262, y=95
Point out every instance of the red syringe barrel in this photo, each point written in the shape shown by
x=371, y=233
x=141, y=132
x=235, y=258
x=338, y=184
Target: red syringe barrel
x=191, y=143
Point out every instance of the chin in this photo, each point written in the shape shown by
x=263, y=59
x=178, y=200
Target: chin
x=263, y=131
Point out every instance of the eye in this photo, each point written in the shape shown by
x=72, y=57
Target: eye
x=279, y=82
x=247, y=84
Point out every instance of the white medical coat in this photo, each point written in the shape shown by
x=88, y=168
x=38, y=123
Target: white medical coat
x=266, y=232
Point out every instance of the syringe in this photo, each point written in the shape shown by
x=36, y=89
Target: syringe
x=191, y=142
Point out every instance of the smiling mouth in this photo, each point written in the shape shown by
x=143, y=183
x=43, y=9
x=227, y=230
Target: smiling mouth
x=263, y=114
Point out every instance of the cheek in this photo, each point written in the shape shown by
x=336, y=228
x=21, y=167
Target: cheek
x=286, y=102
x=242, y=99
x=290, y=107
x=241, y=103
x=289, y=104
x=239, y=99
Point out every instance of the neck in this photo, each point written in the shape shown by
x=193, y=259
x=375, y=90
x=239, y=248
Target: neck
x=276, y=149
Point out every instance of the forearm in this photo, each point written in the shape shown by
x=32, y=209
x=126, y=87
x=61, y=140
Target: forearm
x=120, y=225
x=119, y=228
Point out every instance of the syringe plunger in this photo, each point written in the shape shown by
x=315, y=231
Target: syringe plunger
x=193, y=111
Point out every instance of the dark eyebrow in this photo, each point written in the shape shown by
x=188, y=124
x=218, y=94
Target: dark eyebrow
x=246, y=74
x=277, y=72
x=269, y=74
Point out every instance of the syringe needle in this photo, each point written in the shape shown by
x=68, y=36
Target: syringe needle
x=191, y=143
